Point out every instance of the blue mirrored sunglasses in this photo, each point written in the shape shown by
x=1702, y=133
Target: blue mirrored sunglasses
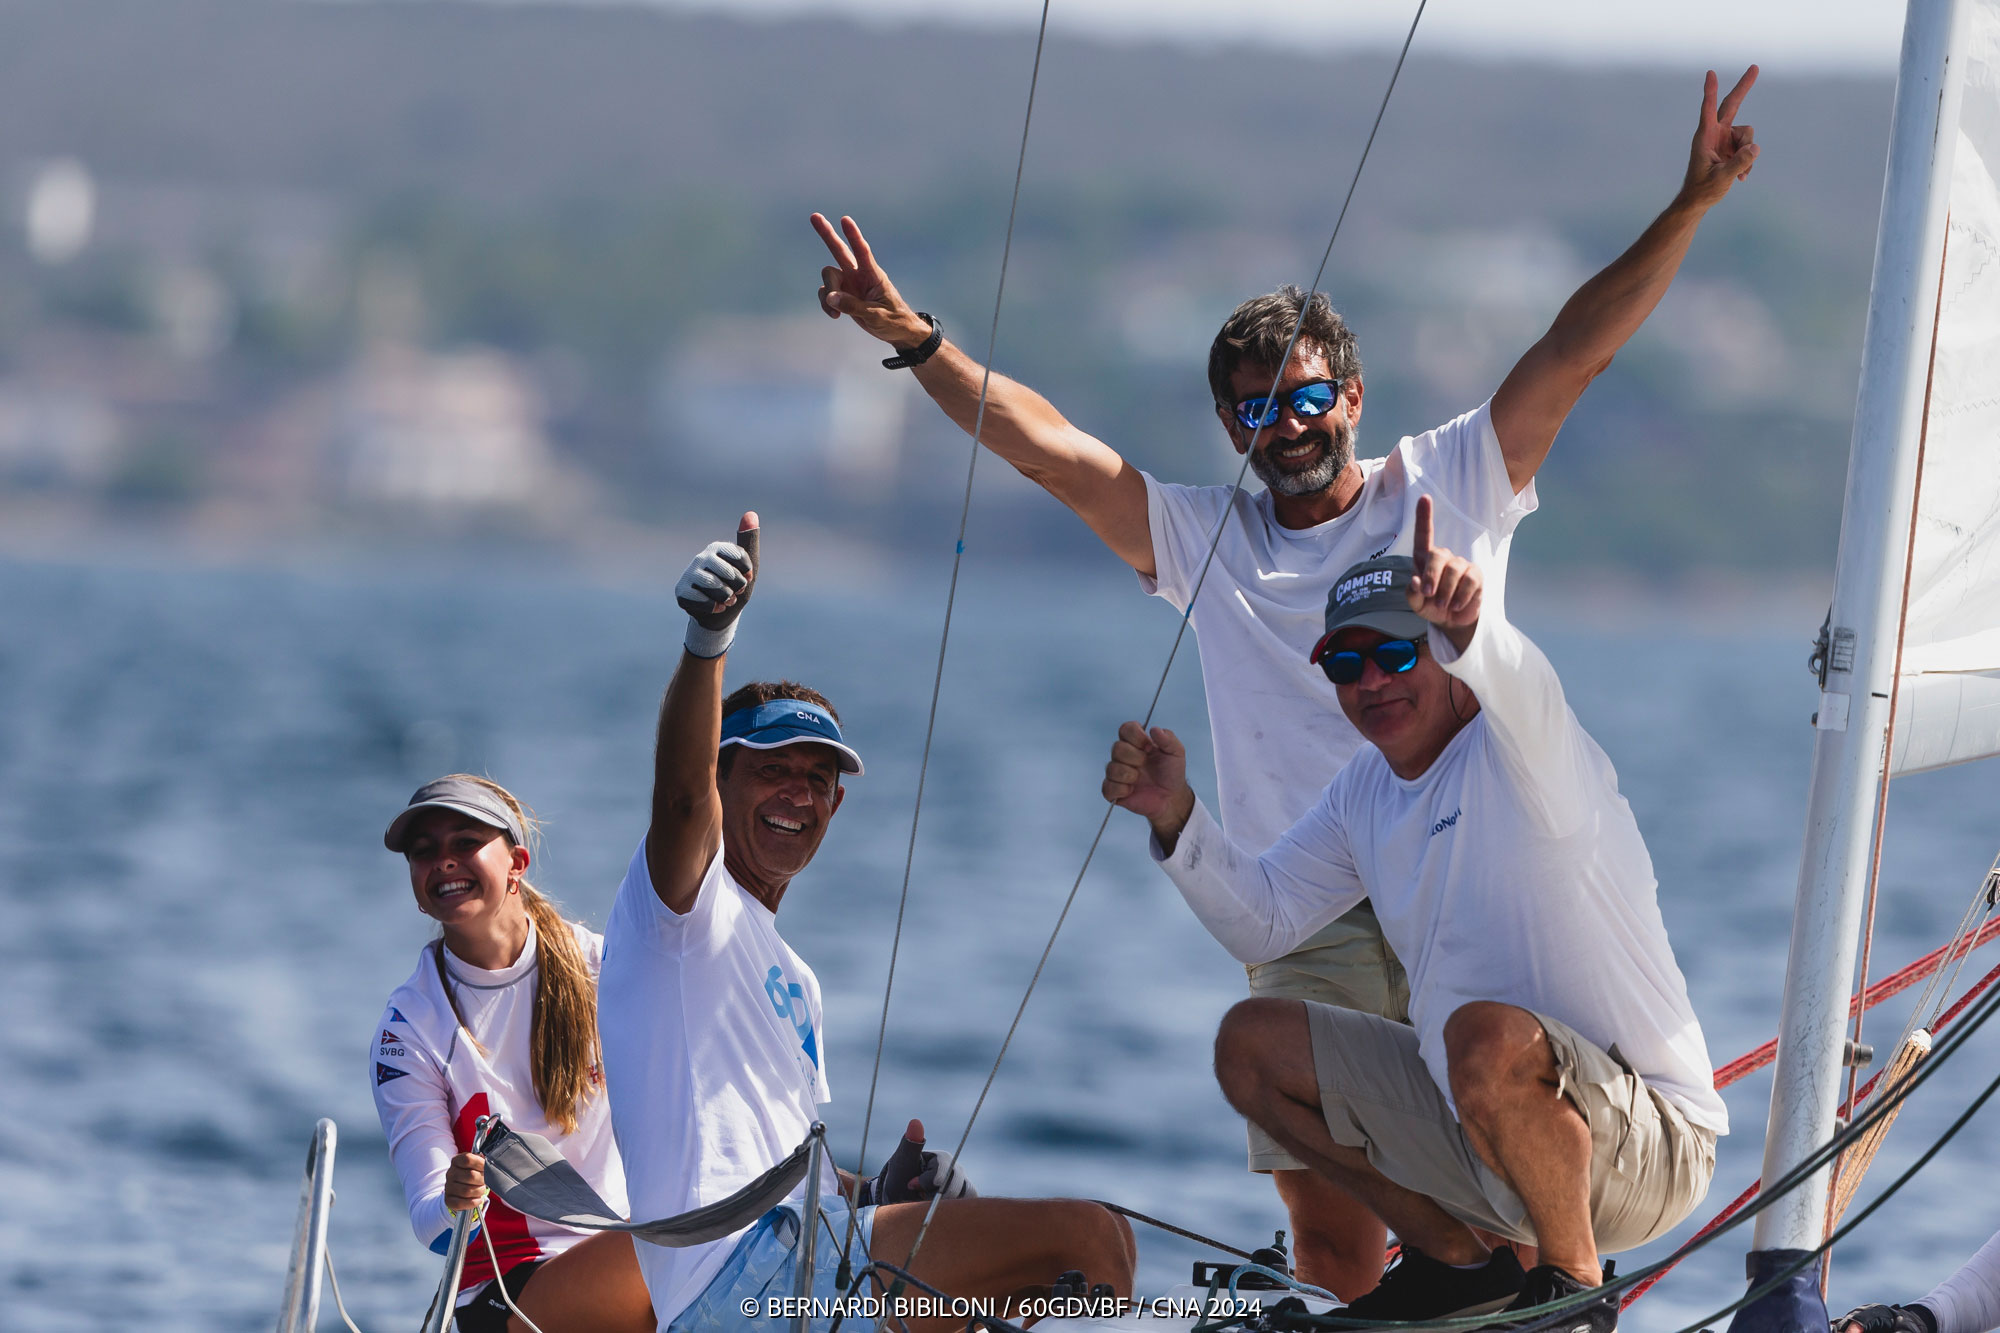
x=1308, y=400
x=1394, y=656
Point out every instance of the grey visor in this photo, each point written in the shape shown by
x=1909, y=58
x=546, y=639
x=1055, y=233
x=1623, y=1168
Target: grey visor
x=471, y=799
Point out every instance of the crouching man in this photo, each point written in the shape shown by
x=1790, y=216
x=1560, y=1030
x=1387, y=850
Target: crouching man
x=1553, y=1086
x=714, y=1044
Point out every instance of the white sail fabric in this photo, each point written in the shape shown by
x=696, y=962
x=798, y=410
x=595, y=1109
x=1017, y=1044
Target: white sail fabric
x=1948, y=698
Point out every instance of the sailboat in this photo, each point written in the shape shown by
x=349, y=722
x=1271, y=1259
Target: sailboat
x=1909, y=660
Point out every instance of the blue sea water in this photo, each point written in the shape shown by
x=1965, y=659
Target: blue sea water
x=196, y=765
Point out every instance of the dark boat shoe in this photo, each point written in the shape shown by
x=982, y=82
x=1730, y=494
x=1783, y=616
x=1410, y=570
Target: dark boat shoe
x=1546, y=1283
x=1418, y=1287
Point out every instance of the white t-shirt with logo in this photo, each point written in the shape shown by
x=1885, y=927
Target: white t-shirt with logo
x=1511, y=870
x=712, y=1053
x=1278, y=731
x=432, y=1085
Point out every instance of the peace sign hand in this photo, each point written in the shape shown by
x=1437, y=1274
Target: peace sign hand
x=1445, y=589
x=1723, y=151
x=855, y=285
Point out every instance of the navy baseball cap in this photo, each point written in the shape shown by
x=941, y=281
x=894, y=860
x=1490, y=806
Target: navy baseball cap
x=780, y=722
x=473, y=799
x=1374, y=594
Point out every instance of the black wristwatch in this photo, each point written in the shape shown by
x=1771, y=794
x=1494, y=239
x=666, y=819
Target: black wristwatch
x=906, y=357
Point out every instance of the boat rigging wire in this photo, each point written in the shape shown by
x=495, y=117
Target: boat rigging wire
x=1173, y=1230
x=338, y=1303
x=499, y=1282
x=1180, y=634
x=951, y=599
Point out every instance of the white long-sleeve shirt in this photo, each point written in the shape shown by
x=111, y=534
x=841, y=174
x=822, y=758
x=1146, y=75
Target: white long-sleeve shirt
x=1511, y=870
x=1969, y=1300
x=432, y=1085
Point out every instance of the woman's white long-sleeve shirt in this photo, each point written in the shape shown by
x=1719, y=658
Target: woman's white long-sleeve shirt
x=432, y=1085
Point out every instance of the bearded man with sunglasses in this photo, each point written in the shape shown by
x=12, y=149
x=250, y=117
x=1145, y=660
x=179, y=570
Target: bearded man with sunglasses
x=1553, y=1086
x=1278, y=732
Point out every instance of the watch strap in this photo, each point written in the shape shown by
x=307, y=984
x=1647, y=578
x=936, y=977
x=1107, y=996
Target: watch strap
x=907, y=357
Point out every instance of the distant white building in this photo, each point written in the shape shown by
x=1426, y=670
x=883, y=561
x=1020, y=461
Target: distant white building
x=457, y=431
x=784, y=399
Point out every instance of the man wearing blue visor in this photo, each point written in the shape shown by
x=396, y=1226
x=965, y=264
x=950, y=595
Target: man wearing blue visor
x=714, y=1046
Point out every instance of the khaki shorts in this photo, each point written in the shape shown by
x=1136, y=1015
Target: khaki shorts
x=1648, y=1166
x=1349, y=965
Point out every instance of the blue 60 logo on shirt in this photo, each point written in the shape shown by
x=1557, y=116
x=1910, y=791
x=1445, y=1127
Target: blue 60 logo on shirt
x=790, y=1002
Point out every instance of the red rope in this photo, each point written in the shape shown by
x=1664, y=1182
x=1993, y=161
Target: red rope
x=1735, y=1206
x=1894, y=984
x=1903, y=980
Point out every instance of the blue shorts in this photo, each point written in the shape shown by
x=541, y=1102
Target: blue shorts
x=762, y=1270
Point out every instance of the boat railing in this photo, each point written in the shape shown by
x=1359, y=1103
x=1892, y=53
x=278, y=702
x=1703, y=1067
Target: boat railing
x=300, y=1313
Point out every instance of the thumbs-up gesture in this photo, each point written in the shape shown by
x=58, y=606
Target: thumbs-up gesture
x=911, y=1174
x=1445, y=589
x=716, y=586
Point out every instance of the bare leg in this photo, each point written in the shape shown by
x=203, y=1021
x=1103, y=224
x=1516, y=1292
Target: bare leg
x=1336, y=1242
x=1264, y=1062
x=592, y=1287
x=996, y=1247
x=1504, y=1079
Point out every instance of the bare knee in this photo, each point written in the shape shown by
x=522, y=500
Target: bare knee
x=1493, y=1051
x=1250, y=1032
x=1095, y=1240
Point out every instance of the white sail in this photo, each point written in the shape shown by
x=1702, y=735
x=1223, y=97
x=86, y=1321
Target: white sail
x=1948, y=696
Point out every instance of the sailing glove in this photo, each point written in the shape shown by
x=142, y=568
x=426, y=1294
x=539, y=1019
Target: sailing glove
x=912, y=1175
x=1913, y=1318
x=722, y=570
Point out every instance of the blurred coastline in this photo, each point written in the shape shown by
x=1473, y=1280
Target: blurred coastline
x=288, y=277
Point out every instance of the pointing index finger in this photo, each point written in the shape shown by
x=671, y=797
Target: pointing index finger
x=1420, y=552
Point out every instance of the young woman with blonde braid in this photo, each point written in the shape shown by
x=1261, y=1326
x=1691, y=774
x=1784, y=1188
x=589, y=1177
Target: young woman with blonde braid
x=500, y=1018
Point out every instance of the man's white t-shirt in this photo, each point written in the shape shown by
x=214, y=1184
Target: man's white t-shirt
x=1278, y=731
x=713, y=1057
x=1512, y=870
x=432, y=1084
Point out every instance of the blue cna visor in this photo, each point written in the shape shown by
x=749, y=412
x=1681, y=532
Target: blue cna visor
x=780, y=722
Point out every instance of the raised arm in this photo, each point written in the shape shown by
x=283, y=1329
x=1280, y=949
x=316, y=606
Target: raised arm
x=1021, y=426
x=1531, y=403
x=686, y=827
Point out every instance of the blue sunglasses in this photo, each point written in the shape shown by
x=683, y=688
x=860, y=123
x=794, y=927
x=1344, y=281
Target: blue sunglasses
x=1308, y=400
x=1394, y=656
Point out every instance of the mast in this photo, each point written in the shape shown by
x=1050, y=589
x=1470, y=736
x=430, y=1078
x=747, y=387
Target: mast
x=1853, y=717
